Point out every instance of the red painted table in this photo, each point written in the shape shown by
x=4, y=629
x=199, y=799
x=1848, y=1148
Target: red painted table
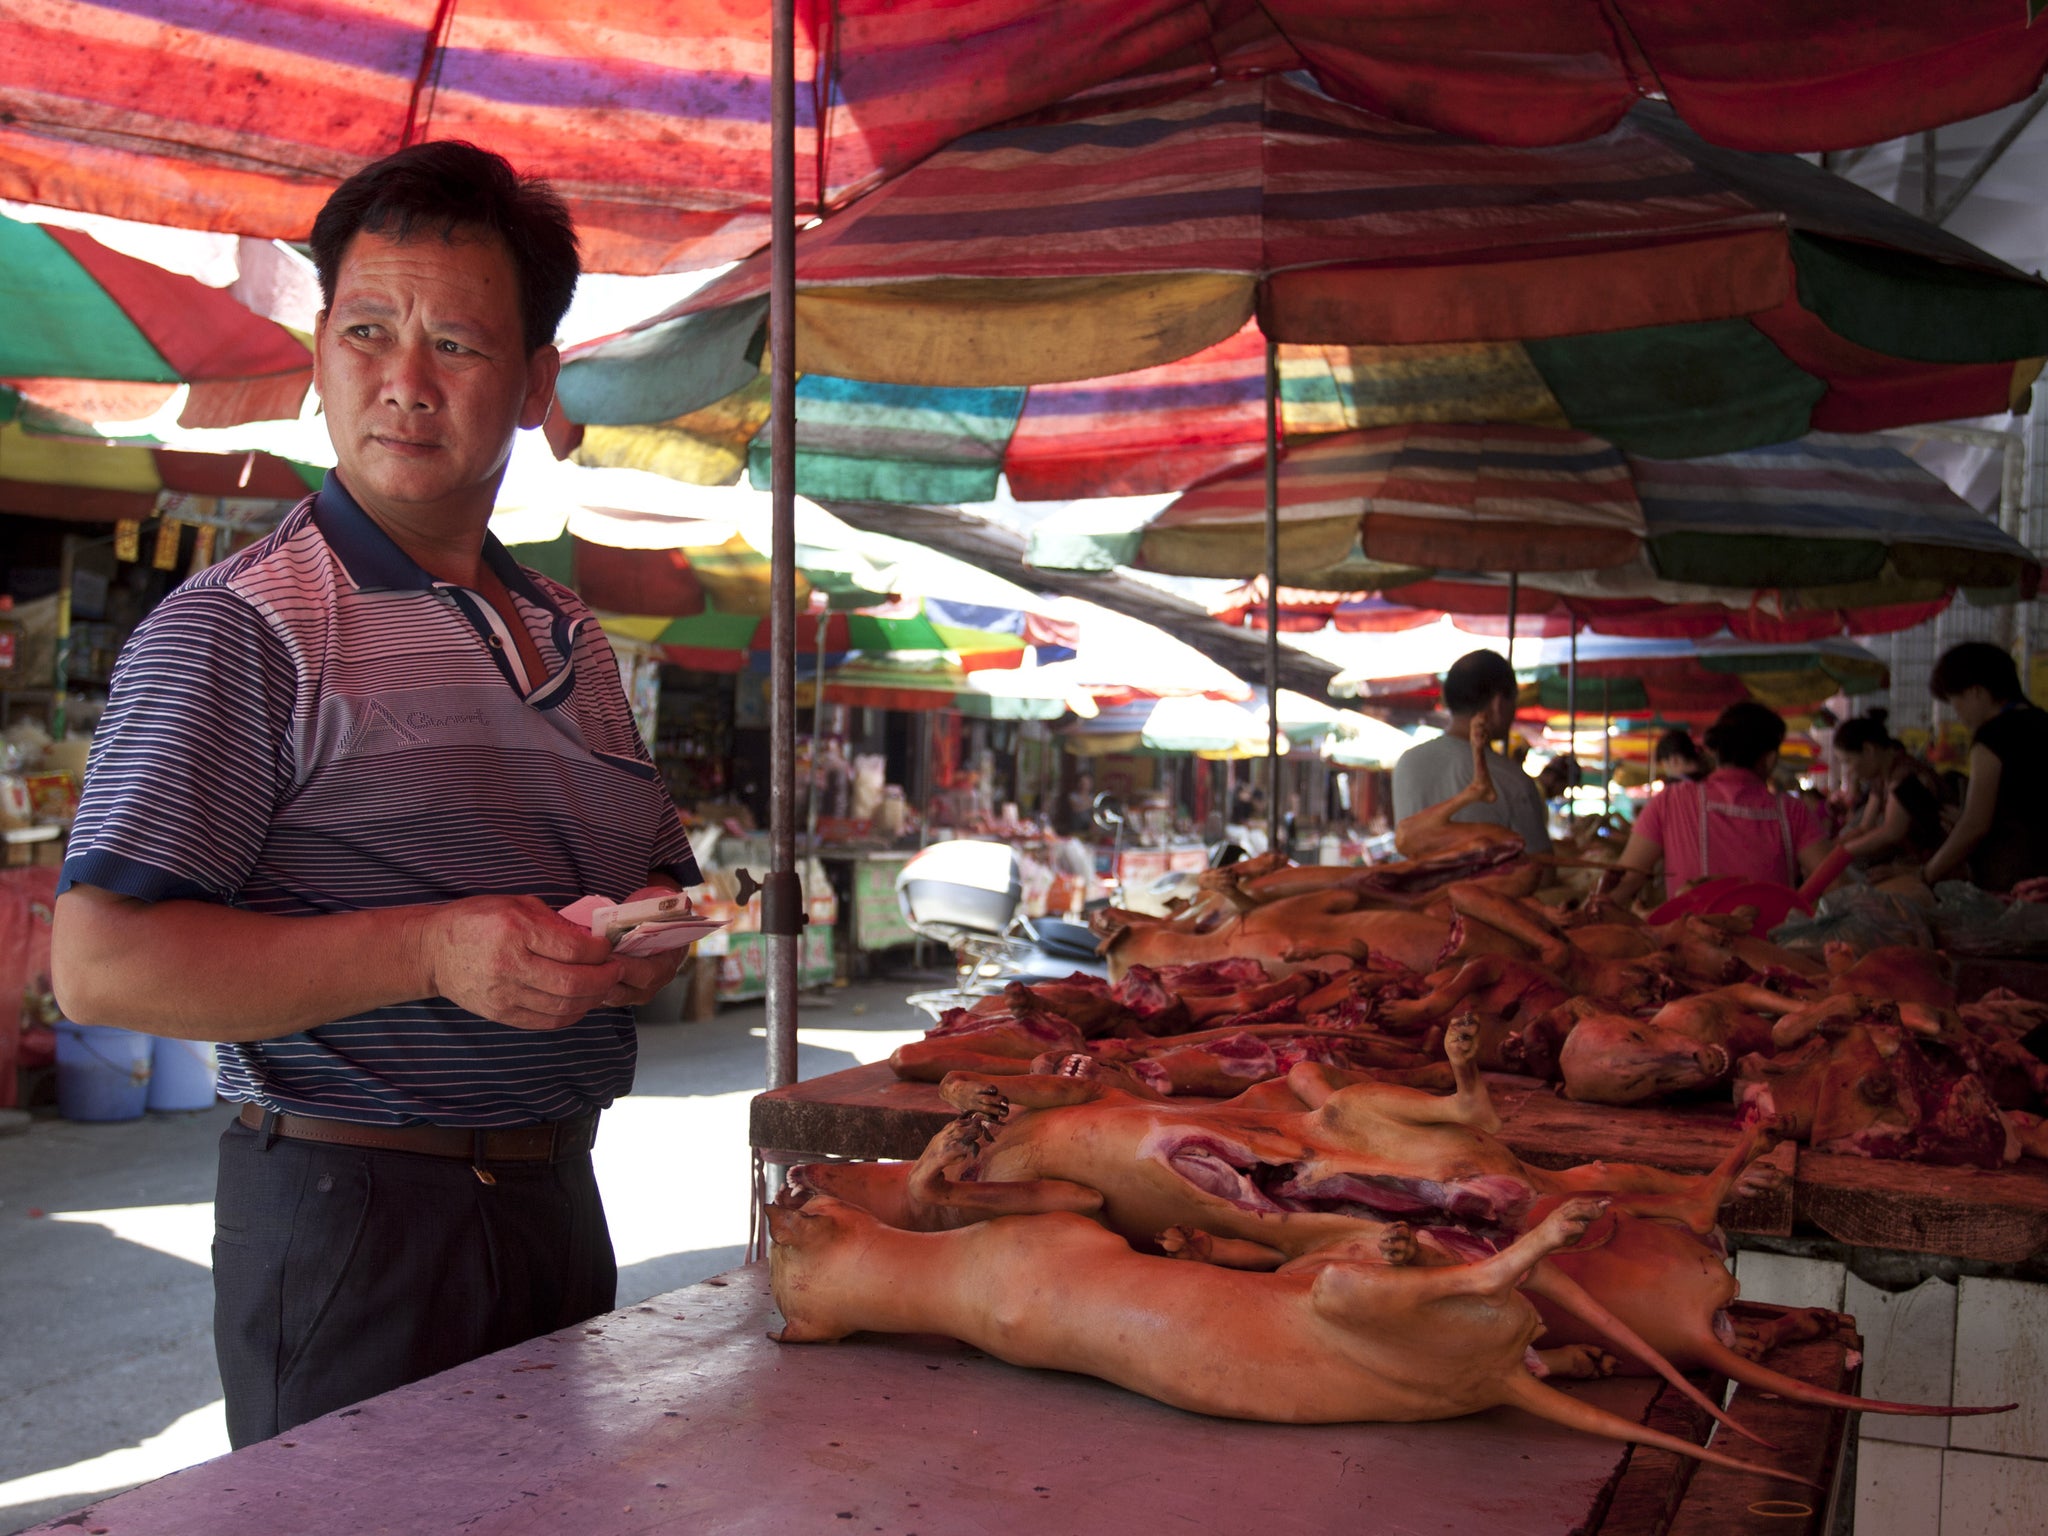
x=681, y=1415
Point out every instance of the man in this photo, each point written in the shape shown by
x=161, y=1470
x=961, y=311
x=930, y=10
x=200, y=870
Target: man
x=343, y=782
x=1479, y=686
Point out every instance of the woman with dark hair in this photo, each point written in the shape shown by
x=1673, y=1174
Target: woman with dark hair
x=1731, y=822
x=2001, y=838
x=1678, y=756
x=1902, y=807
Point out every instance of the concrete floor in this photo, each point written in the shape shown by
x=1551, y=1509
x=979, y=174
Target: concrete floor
x=106, y=1298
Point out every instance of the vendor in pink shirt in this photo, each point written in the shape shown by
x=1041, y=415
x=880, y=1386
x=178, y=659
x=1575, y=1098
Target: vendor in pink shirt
x=1731, y=822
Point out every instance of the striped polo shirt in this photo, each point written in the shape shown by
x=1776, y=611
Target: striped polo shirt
x=318, y=725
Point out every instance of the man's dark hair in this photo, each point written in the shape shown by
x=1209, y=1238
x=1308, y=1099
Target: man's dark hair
x=1677, y=743
x=1475, y=680
x=1975, y=664
x=450, y=188
x=1866, y=730
x=1746, y=734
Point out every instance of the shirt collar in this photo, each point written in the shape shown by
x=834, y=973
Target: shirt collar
x=1737, y=778
x=374, y=561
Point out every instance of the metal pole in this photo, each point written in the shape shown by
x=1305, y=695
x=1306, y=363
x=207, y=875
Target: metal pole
x=782, y=895
x=1273, y=596
x=1571, y=694
x=1607, y=740
x=817, y=731
x=1514, y=606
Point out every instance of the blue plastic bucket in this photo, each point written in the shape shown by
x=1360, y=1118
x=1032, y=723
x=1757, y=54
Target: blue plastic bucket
x=102, y=1073
x=182, y=1074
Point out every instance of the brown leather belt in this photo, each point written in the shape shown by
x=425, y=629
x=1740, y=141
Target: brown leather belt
x=551, y=1142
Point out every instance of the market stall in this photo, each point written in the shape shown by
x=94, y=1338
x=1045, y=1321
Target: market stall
x=1704, y=243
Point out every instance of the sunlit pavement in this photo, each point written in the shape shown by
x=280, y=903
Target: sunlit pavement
x=106, y=1301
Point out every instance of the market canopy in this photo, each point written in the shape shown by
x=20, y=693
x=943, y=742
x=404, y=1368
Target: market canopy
x=991, y=547
x=1788, y=542
x=684, y=569
x=631, y=543
x=1361, y=741
x=939, y=683
x=652, y=115
x=1496, y=496
x=1695, y=678
x=1305, y=610
x=1067, y=302
x=83, y=477
x=78, y=311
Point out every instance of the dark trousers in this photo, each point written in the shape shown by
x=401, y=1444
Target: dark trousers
x=340, y=1273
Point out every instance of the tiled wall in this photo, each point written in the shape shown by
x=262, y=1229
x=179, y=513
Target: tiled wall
x=1976, y=1341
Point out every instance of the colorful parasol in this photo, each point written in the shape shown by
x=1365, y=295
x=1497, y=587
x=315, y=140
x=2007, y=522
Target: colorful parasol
x=653, y=116
x=1645, y=287
x=1687, y=677
x=1304, y=610
x=1496, y=497
x=78, y=311
x=84, y=477
x=682, y=570
x=716, y=640
x=1789, y=542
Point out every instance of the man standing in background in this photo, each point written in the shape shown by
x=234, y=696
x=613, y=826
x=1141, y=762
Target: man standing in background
x=1479, y=686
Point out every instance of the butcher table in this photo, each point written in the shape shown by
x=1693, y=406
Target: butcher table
x=681, y=1415
x=1991, y=1216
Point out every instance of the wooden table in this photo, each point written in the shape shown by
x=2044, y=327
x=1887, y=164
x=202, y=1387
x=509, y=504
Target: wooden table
x=681, y=1415
x=1998, y=1217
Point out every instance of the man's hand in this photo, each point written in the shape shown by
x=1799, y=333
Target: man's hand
x=640, y=979
x=513, y=960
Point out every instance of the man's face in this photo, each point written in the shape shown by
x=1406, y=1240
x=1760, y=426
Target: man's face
x=1500, y=715
x=423, y=373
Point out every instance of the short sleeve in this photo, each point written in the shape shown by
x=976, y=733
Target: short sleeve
x=1809, y=826
x=1650, y=820
x=672, y=853
x=1407, y=787
x=1419, y=775
x=192, y=756
x=1532, y=816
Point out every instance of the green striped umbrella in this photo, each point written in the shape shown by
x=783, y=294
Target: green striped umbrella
x=79, y=311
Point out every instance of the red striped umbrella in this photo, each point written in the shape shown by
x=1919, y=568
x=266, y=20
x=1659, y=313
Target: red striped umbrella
x=652, y=115
x=1791, y=542
x=1494, y=497
x=1303, y=610
x=1030, y=293
x=1769, y=617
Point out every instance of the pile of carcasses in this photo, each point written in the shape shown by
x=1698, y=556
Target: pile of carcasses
x=1330, y=1242
x=1324, y=1247
x=1363, y=968
x=1224, y=1181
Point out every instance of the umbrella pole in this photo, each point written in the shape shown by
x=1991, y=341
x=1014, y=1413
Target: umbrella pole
x=817, y=731
x=1607, y=749
x=1514, y=607
x=1273, y=596
x=782, y=893
x=1571, y=695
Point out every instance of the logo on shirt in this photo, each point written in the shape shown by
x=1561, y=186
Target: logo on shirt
x=375, y=720
x=424, y=720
